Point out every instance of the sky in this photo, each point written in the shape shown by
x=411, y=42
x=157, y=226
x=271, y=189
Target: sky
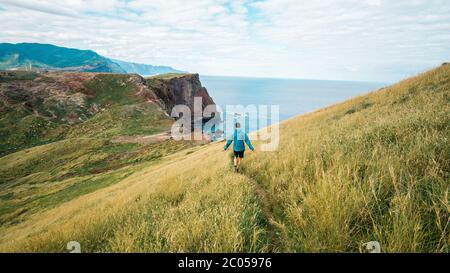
x=363, y=40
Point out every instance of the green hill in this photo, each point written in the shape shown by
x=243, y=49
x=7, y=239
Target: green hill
x=39, y=108
x=35, y=56
x=145, y=69
x=375, y=167
x=46, y=56
x=88, y=130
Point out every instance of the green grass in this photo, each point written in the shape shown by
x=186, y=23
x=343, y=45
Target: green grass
x=43, y=177
x=379, y=171
x=361, y=106
x=375, y=167
x=111, y=89
x=168, y=76
x=122, y=113
x=17, y=76
x=159, y=81
x=20, y=130
x=134, y=119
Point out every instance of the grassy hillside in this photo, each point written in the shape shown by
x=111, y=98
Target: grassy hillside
x=168, y=76
x=43, y=177
x=372, y=168
x=63, y=135
x=40, y=108
x=51, y=57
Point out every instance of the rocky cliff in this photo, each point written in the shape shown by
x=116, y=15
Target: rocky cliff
x=41, y=107
x=175, y=89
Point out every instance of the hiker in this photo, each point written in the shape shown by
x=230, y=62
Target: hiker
x=239, y=137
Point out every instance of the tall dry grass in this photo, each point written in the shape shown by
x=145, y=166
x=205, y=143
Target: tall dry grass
x=372, y=168
x=190, y=204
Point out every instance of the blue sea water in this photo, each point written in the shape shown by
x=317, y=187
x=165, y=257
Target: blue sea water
x=294, y=96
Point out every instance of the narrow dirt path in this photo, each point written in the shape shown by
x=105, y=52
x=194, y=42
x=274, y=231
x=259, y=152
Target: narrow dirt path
x=272, y=228
x=149, y=139
x=157, y=138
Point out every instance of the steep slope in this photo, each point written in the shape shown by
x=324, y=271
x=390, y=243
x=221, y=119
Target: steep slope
x=175, y=89
x=145, y=69
x=38, y=108
x=34, y=56
x=98, y=127
x=46, y=56
x=372, y=168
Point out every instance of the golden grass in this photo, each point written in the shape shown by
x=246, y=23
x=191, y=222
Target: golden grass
x=372, y=168
x=153, y=203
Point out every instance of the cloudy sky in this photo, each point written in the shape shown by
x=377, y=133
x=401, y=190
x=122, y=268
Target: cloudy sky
x=372, y=40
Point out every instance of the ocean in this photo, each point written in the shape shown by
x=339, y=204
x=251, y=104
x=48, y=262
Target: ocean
x=293, y=96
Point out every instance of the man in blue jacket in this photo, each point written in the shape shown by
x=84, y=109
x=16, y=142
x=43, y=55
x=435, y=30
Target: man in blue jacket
x=239, y=137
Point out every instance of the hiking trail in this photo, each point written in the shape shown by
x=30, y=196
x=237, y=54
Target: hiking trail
x=272, y=227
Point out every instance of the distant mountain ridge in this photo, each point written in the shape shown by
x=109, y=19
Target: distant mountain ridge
x=145, y=69
x=35, y=56
x=49, y=57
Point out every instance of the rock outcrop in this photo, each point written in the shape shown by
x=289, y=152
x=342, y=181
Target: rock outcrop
x=40, y=107
x=37, y=91
x=179, y=89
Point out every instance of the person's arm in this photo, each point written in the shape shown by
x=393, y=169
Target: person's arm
x=249, y=144
x=228, y=144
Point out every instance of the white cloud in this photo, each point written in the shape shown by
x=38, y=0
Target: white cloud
x=374, y=2
x=330, y=39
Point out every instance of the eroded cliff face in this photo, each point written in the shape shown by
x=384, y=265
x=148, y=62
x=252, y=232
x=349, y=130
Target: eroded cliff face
x=80, y=95
x=40, y=107
x=179, y=89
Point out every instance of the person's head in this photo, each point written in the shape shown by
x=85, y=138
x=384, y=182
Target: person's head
x=237, y=125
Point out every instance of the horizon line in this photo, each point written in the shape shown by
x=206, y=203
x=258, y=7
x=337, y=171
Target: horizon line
x=293, y=78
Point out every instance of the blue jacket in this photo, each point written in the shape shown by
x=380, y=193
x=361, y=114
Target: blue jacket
x=239, y=137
